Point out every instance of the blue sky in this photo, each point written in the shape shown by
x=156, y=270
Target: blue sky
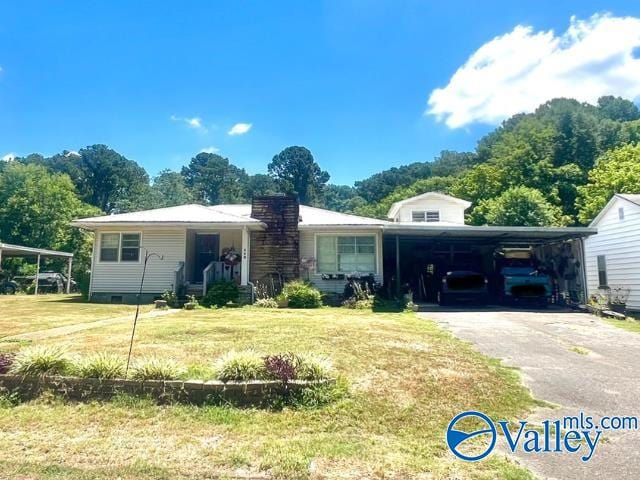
x=350, y=80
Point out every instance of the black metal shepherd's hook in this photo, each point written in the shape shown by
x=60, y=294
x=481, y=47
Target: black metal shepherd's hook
x=147, y=256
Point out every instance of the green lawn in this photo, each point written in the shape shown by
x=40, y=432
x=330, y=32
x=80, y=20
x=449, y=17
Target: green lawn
x=628, y=324
x=29, y=313
x=407, y=378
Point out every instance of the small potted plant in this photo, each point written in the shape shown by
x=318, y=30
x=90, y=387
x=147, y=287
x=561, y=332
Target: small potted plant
x=618, y=299
x=191, y=302
x=283, y=301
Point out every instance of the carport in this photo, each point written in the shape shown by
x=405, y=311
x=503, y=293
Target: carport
x=8, y=250
x=416, y=255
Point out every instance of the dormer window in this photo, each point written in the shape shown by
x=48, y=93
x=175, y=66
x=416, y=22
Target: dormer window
x=425, y=216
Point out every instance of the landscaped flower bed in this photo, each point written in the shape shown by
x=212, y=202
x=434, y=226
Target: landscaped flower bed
x=241, y=378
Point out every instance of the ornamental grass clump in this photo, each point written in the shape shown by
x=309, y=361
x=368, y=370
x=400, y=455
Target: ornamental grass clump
x=240, y=366
x=41, y=360
x=314, y=367
x=101, y=365
x=266, y=303
x=154, y=368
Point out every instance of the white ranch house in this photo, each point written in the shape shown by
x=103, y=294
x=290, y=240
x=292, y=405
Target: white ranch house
x=276, y=237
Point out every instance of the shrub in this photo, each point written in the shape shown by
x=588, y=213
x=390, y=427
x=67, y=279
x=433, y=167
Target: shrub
x=101, y=365
x=83, y=278
x=356, y=304
x=221, y=293
x=41, y=360
x=171, y=298
x=302, y=295
x=282, y=366
x=240, y=366
x=313, y=367
x=6, y=360
x=154, y=368
x=266, y=303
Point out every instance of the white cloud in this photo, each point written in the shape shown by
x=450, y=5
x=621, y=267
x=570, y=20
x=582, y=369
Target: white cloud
x=210, y=150
x=9, y=157
x=72, y=153
x=191, y=122
x=240, y=129
x=521, y=69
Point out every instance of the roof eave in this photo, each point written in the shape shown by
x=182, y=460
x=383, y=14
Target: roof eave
x=253, y=225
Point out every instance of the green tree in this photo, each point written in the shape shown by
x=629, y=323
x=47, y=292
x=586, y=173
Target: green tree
x=617, y=108
x=616, y=171
x=295, y=171
x=381, y=208
x=518, y=206
x=102, y=177
x=170, y=189
x=213, y=179
x=261, y=184
x=36, y=208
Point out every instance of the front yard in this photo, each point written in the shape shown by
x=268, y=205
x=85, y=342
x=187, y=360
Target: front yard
x=406, y=379
x=23, y=314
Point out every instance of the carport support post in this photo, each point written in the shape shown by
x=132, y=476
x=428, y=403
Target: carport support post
x=69, y=275
x=37, y=274
x=398, y=287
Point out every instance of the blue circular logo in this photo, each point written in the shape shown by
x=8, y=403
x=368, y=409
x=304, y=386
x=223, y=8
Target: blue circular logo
x=457, y=438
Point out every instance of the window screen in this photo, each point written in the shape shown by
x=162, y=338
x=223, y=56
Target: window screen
x=346, y=254
x=130, y=247
x=109, y=244
x=602, y=271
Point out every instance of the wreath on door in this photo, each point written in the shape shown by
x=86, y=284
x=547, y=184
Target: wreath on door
x=230, y=257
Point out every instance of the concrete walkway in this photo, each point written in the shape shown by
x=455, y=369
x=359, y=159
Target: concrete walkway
x=570, y=359
x=79, y=327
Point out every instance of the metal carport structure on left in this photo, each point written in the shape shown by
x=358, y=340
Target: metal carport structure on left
x=7, y=250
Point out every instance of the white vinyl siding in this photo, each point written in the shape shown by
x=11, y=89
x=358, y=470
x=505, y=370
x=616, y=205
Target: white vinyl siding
x=446, y=211
x=308, y=248
x=124, y=277
x=617, y=241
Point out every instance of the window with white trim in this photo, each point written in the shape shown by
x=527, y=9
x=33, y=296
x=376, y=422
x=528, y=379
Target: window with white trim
x=109, y=245
x=130, y=247
x=346, y=254
x=425, y=216
x=119, y=247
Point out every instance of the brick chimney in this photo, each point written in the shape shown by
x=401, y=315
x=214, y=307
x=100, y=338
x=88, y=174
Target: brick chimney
x=275, y=250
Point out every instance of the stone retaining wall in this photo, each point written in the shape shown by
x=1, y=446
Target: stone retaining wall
x=192, y=391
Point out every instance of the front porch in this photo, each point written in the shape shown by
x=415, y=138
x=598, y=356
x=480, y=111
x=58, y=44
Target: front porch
x=212, y=255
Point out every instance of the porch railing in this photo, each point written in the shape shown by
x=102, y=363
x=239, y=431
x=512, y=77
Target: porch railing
x=178, y=277
x=218, y=271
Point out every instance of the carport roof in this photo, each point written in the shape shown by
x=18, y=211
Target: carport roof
x=9, y=250
x=485, y=232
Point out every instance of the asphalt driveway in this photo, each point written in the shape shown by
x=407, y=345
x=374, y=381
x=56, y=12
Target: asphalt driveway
x=574, y=360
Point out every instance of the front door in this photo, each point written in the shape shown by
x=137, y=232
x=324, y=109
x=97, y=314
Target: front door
x=207, y=251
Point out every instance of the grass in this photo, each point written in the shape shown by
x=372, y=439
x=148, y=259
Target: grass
x=580, y=350
x=407, y=378
x=628, y=324
x=29, y=313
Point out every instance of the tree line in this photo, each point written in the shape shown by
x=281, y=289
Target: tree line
x=556, y=166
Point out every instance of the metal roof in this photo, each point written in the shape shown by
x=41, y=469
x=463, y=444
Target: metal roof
x=9, y=250
x=486, y=232
x=180, y=215
x=312, y=216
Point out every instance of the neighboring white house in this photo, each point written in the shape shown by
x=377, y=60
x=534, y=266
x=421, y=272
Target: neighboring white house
x=613, y=255
x=431, y=207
